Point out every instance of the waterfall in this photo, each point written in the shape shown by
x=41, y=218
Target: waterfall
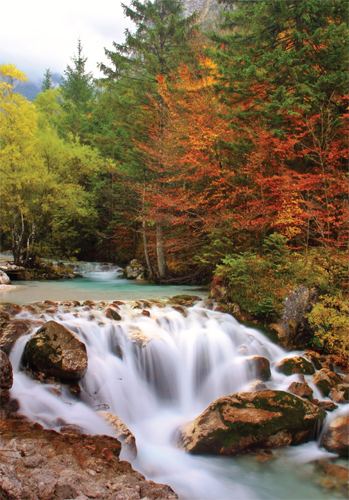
x=157, y=373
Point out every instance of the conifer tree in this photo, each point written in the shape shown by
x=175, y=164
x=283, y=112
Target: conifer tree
x=47, y=81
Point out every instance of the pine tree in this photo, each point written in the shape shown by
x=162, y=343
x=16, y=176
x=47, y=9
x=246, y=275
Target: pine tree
x=47, y=81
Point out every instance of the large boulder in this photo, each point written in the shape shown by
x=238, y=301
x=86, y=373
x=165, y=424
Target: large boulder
x=55, y=351
x=122, y=432
x=258, y=366
x=288, y=366
x=340, y=393
x=247, y=420
x=134, y=269
x=336, y=437
x=12, y=332
x=6, y=375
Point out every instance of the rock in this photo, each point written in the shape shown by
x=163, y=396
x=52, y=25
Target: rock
x=288, y=366
x=249, y=420
x=335, y=477
x=111, y=313
x=259, y=367
x=340, y=393
x=184, y=300
x=4, y=279
x=315, y=358
x=54, y=350
x=325, y=380
x=145, y=313
x=256, y=385
x=326, y=405
x=12, y=332
x=39, y=464
x=122, y=432
x=301, y=389
x=137, y=336
x=298, y=304
x=134, y=269
x=336, y=437
x=10, y=308
x=181, y=310
x=6, y=375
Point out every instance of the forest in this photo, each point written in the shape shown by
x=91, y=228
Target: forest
x=207, y=154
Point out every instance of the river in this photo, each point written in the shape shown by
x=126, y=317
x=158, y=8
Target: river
x=183, y=364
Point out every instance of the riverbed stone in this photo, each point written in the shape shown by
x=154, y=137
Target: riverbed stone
x=325, y=380
x=122, y=432
x=259, y=367
x=297, y=364
x=340, y=393
x=301, y=389
x=55, y=351
x=336, y=437
x=250, y=420
x=112, y=313
x=12, y=332
x=6, y=374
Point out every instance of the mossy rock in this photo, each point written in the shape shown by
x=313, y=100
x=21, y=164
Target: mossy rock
x=54, y=350
x=288, y=366
x=252, y=420
x=112, y=314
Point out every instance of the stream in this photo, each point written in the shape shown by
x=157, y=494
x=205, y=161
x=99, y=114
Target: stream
x=171, y=368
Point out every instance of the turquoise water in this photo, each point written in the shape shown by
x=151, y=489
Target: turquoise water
x=95, y=286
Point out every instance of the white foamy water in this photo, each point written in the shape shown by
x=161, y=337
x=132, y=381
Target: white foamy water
x=159, y=372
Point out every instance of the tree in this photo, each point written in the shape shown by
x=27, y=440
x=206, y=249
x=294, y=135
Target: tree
x=77, y=93
x=154, y=49
x=47, y=81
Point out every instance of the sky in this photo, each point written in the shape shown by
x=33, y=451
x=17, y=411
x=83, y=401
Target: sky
x=38, y=34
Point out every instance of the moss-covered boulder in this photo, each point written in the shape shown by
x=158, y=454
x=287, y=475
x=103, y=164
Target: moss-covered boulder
x=258, y=367
x=325, y=380
x=336, y=437
x=54, y=350
x=250, y=420
x=288, y=366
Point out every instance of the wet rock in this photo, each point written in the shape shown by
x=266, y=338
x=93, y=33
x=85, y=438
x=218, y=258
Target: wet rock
x=288, y=366
x=250, y=420
x=181, y=310
x=112, y=313
x=184, y=300
x=259, y=367
x=326, y=405
x=122, y=432
x=256, y=385
x=134, y=269
x=336, y=437
x=301, y=389
x=55, y=351
x=145, y=313
x=334, y=477
x=340, y=393
x=46, y=465
x=137, y=336
x=6, y=375
x=325, y=380
x=12, y=332
x=315, y=358
x=4, y=279
x=10, y=308
x=298, y=304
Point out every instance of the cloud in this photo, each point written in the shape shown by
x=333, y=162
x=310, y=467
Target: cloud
x=40, y=34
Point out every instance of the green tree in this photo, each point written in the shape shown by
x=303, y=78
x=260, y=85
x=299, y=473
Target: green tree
x=47, y=81
x=77, y=95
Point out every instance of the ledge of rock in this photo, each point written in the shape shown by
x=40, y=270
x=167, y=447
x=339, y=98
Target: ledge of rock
x=55, y=351
x=12, y=331
x=122, y=432
x=39, y=464
x=250, y=420
x=6, y=375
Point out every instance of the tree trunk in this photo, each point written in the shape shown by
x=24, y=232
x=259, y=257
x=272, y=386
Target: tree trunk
x=16, y=237
x=147, y=258
x=160, y=249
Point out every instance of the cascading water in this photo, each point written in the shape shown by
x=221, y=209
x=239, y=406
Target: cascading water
x=157, y=373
